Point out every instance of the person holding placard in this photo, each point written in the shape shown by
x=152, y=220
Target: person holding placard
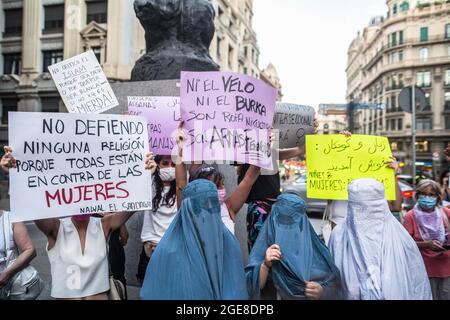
x=157, y=221
x=336, y=210
x=289, y=252
x=77, y=248
x=264, y=192
x=198, y=258
x=377, y=258
x=229, y=206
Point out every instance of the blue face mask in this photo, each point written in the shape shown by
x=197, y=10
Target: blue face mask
x=427, y=203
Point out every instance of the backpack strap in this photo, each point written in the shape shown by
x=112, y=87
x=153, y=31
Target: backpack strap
x=7, y=230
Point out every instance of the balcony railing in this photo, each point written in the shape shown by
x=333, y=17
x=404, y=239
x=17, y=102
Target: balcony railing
x=395, y=87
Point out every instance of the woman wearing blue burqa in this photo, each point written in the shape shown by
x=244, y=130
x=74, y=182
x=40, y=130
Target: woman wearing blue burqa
x=198, y=258
x=292, y=255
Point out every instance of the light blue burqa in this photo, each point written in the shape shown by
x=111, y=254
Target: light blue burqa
x=197, y=258
x=305, y=258
x=376, y=256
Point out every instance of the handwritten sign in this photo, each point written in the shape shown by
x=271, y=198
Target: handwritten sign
x=334, y=161
x=83, y=85
x=294, y=122
x=70, y=164
x=163, y=118
x=228, y=116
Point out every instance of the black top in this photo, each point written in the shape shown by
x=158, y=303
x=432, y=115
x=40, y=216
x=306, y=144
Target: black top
x=265, y=187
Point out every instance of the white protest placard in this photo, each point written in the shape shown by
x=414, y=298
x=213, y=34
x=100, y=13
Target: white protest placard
x=83, y=85
x=163, y=118
x=71, y=164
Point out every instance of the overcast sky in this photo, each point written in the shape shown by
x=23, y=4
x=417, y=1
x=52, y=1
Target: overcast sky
x=307, y=41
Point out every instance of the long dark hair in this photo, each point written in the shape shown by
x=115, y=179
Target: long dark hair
x=170, y=197
x=208, y=173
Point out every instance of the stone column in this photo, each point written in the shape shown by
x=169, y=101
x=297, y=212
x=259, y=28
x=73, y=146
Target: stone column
x=74, y=22
x=436, y=97
x=31, y=56
x=31, y=46
x=120, y=47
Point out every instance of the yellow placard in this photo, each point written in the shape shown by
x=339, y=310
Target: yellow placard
x=334, y=161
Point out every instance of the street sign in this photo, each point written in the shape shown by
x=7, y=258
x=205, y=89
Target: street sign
x=404, y=99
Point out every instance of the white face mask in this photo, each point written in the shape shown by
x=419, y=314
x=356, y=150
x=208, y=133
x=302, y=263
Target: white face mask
x=167, y=174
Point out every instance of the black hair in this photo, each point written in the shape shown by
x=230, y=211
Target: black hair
x=443, y=175
x=208, y=173
x=170, y=197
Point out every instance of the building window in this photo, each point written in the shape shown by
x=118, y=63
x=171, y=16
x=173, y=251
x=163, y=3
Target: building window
x=219, y=42
x=98, y=53
x=245, y=70
x=428, y=98
x=423, y=54
x=54, y=19
x=13, y=23
x=447, y=31
x=7, y=106
x=393, y=124
x=12, y=63
x=246, y=52
x=447, y=122
x=394, y=103
x=51, y=57
x=400, y=125
x=447, y=101
x=230, y=57
x=400, y=145
x=447, y=77
x=424, y=79
x=98, y=11
x=404, y=6
x=50, y=104
x=424, y=124
x=394, y=39
x=424, y=34
x=422, y=147
x=395, y=9
x=400, y=37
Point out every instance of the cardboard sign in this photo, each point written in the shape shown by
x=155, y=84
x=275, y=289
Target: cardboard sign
x=334, y=161
x=294, y=122
x=163, y=118
x=83, y=85
x=228, y=117
x=70, y=164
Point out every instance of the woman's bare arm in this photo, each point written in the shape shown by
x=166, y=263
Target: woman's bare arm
x=240, y=194
x=27, y=252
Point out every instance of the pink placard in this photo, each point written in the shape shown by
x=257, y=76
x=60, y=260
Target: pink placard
x=163, y=117
x=228, y=117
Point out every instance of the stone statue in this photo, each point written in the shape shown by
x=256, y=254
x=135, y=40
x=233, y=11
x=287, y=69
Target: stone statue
x=178, y=34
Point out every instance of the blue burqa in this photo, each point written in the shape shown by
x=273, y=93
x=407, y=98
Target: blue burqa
x=305, y=257
x=198, y=258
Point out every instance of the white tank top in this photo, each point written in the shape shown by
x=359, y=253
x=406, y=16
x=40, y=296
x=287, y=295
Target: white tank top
x=226, y=219
x=6, y=238
x=74, y=274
